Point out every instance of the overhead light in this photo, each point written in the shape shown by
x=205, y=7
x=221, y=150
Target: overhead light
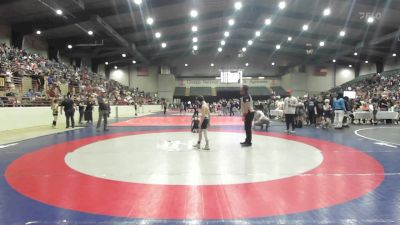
x=134, y=61
x=150, y=21
x=261, y=78
x=212, y=64
x=59, y=12
x=195, y=47
x=394, y=54
x=231, y=22
x=220, y=49
x=267, y=21
x=115, y=67
x=333, y=60
x=137, y=2
x=195, y=40
x=38, y=32
x=322, y=43
x=163, y=45
x=157, y=35
x=223, y=42
x=238, y=5
x=123, y=55
x=350, y=66
x=370, y=19
x=366, y=62
x=273, y=63
x=194, y=29
x=244, y=49
x=282, y=5
x=278, y=46
x=226, y=33
x=257, y=33
x=289, y=38
x=355, y=53
x=250, y=42
x=186, y=65
x=342, y=33
x=90, y=32
x=193, y=13
x=247, y=64
x=106, y=63
x=69, y=46
x=326, y=12
x=305, y=27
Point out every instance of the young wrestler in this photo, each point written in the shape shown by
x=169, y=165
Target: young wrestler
x=204, y=121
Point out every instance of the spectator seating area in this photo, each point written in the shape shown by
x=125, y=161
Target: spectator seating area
x=32, y=80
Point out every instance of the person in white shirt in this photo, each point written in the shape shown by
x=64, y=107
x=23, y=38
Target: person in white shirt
x=289, y=109
x=260, y=119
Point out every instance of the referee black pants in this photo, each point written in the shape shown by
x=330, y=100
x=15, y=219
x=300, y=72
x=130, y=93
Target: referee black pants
x=248, y=123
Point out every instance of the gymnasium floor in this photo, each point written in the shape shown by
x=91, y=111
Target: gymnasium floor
x=144, y=171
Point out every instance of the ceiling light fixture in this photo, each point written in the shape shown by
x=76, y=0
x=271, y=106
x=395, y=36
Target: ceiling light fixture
x=370, y=19
x=134, y=61
x=278, y=46
x=69, y=46
x=247, y=64
x=150, y=21
x=244, y=49
x=163, y=45
x=59, y=12
x=250, y=42
x=158, y=35
x=226, y=33
x=115, y=67
x=282, y=5
x=123, y=55
x=90, y=32
x=212, y=64
x=195, y=39
x=350, y=66
x=223, y=42
x=194, y=29
x=333, y=60
x=106, y=63
x=38, y=32
x=186, y=65
x=322, y=43
x=137, y=2
x=305, y=27
x=394, y=54
x=257, y=33
x=220, y=49
x=268, y=21
x=366, y=62
x=231, y=22
x=326, y=12
x=195, y=47
x=193, y=13
x=273, y=63
x=289, y=39
x=238, y=5
x=342, y=33
x=355, y=53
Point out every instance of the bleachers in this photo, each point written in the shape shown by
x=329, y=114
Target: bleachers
x=280, y=91
x=204, y=91
x=180, y=91
x=260, y=91
x=362, y=78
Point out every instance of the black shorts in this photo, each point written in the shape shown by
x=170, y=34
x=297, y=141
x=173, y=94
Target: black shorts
x=204, y=124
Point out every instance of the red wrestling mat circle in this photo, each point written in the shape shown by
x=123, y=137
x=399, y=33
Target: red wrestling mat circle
x=177, y=121
x=344, y=174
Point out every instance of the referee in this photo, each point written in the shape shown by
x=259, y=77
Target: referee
x=247, y=114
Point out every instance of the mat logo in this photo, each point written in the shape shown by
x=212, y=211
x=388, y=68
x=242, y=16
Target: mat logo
x=366, y=15
x=174, y=145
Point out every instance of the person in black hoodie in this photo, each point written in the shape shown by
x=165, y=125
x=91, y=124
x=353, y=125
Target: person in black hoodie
x=89, y=110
